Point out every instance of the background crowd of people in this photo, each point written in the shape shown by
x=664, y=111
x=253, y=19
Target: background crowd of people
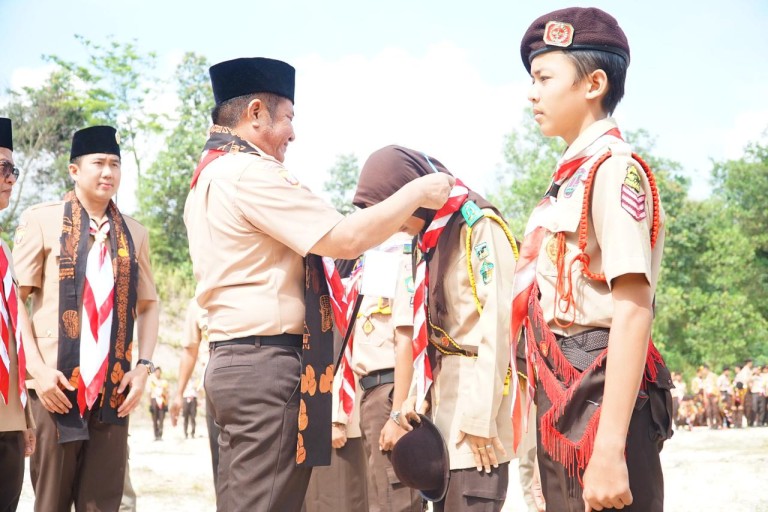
x=735, y=398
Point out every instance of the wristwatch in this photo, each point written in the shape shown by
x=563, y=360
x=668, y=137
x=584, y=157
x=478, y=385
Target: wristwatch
x=395, y=416
x=148, y=364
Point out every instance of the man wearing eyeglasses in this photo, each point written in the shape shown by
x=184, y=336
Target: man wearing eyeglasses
x=17, y=437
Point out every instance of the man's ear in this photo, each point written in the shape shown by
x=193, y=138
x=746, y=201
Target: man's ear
x=597, y=84
x=74, y=171
x=255, y=112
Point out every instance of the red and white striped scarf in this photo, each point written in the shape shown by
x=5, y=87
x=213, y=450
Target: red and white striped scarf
x=9, y=309
x=535, y=232
x=96, y=326
x=343, y=296
x=427, y=243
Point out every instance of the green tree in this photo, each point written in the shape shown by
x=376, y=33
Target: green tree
x=164, y=189
x=120, y=82
x=341, y=183
x=44, y=119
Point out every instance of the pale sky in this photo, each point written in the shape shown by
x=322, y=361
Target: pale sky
x=442, y=77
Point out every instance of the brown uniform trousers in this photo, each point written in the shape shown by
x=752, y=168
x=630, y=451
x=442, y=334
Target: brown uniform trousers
x=386, y=493
x=11, y=469
x=254, y=394
x=340, y=487
x=89, y=474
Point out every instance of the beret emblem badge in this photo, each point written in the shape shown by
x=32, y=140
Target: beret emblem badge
x=558, y=33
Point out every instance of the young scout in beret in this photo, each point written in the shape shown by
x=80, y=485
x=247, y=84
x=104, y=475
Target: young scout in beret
x=86, y=268
x=587, y=276
x=17, y=436
x=255, y=237
x=462, y=301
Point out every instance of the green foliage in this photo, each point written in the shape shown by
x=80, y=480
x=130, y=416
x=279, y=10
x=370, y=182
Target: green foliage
x=44, y=120
x=531, y=160
x=712, y=296
x=342, y=181
x=120, y=84
x=164, y=189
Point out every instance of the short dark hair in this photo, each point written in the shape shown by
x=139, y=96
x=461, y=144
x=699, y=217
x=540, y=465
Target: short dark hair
x=615, y=67
x=79, y=159
x=230, y=112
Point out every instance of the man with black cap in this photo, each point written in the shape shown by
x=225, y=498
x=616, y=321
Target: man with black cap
x=17, y=437
x=86, y=268
x=251, y=224
x=586, y=279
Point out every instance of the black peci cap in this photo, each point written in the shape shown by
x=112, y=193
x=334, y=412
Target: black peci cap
x=95, y=139
x=6, y=133
x=575, y=28
x=238, y=77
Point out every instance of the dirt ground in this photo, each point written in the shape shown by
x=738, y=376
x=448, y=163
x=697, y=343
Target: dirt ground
x=704, y=470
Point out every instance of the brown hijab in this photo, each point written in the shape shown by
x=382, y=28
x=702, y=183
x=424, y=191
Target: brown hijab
x=385, y=172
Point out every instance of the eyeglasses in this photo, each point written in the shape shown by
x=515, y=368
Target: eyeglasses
x=8, y=169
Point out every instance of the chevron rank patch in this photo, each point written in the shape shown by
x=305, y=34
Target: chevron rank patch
x=632, y=195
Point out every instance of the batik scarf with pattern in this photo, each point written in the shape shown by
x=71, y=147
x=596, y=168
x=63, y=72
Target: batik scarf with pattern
x=313, y=446
x=75, y=234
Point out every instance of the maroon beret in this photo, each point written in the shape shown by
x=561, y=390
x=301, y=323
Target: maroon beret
x=575, y=28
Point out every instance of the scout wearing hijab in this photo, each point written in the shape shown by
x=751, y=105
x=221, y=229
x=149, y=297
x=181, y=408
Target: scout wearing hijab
x=251, y=224
x=17, y=437
x=469, y=274
x=86, y=267
x=586, y=278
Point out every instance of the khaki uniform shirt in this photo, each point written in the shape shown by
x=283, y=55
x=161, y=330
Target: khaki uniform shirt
x=617, y=244
x=468, y=393
x=250, y=224
x=36, y=252
x=12, y=415
x=374, y=342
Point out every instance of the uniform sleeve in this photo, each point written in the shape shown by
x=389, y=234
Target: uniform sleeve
x=146, y=287
x=402, y=303
x=493, y=267
x=275, y=203
x=192, y=335
x=28, y=251
x=622, y=213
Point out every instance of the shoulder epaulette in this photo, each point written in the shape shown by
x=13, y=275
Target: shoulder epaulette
x=471, y=213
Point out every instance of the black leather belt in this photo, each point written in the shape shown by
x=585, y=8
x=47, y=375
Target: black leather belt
x=279, y=340
x=377, y=378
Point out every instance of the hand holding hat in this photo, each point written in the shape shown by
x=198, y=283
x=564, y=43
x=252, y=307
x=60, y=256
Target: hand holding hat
x=409, y=413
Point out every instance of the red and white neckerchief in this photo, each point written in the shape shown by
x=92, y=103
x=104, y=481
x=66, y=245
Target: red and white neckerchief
x=96, y=325
x=343, y=296
x=9, y=309
x=535, y=232
x=427, y=242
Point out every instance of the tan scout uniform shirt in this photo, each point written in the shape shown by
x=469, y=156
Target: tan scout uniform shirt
x=617, y=243
x=375, y=350
x=467, y=393
x=196, y=331
x=12, y=416
x=250, y=223
x=36, y=254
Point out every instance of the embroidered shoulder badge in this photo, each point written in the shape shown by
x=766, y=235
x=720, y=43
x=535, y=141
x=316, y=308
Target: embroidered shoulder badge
x=471, y=213
x=481, y=250
x=486, y=271
x=21, y=229
x=558, y=33
x=289, y=178
x=632, y=195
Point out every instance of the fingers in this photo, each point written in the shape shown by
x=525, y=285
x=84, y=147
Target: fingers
x=65, y=383
x=130, y=403
x=424, y=408
x=54, y=400
x=30, y=441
